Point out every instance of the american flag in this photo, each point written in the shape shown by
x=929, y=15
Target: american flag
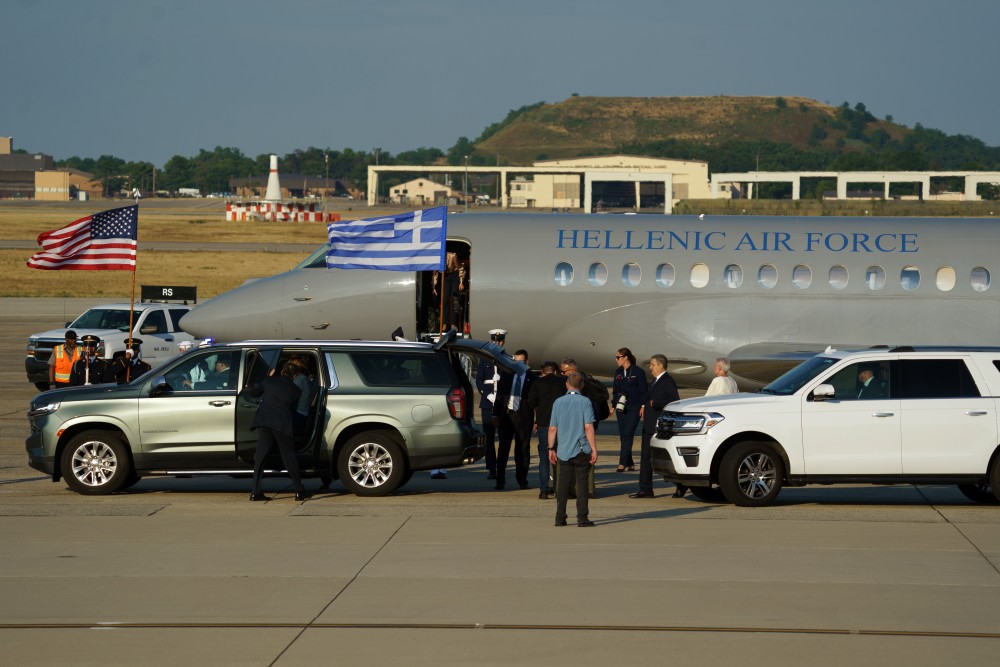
x=408, y=242
x=103, y=241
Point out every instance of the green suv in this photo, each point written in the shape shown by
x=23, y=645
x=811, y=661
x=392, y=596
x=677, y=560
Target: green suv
x=380, y=411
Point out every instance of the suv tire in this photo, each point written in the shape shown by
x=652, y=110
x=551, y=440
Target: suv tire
x=96, y=463
x=371, y=464
x=751, y=474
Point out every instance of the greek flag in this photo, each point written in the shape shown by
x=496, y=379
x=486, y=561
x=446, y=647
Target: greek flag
x=409, y=242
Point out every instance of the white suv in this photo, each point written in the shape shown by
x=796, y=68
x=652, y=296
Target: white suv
x=881, y=416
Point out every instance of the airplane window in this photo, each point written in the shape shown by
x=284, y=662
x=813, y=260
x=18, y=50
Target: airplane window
x=767, y=276
x=802, y=276
x=909, y=277
x=945, y=279
x=665, y=275
x=631, y=274
x=875, y=277
x=564, y=274
x=838, y=277
x=598, y=274
x=980, y=279
x=699, y=275
x=734, y=275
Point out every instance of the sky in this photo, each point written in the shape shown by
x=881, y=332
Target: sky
x=153, y=79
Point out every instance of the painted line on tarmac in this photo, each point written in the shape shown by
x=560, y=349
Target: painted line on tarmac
x=499, y=626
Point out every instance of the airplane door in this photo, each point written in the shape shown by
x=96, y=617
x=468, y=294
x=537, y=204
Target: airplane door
x=853, y=433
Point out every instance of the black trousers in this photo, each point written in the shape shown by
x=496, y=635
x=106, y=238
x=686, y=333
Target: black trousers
x=266, y=440
x=646, y=463
x=511, y=432
x=575, y=469
x=489, y=430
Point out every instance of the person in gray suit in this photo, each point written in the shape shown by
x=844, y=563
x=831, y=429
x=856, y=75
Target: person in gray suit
x=274, y=423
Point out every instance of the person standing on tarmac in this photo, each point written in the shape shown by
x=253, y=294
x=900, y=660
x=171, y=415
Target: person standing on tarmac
x=89, y=368
x=129, y=366
x=487, y=382
x=62, y=360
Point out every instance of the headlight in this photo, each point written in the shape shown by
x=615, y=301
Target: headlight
x=679, y=423
x=46, y=409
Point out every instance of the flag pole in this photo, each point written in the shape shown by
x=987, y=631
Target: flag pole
x=131, y=298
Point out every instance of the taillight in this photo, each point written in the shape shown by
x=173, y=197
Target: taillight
x=456, y=403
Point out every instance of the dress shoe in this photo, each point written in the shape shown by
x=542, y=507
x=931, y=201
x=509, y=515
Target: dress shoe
x=523, y=485
x=586, y=523
x=542, y=495
x=303, y=495
x=677, y=494
x=641, y=494
x=491, y=475
x=620, y=469
x=561, y=523
x=499, y=487
x=631, y=468
x=551, y=491
x=259, y=497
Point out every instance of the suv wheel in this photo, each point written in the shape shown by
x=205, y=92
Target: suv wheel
x=371, y=464
x=751, y=474
x=980, y=493
x=96, y=463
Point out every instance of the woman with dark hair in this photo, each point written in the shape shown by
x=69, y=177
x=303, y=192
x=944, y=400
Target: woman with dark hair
x=630, y=389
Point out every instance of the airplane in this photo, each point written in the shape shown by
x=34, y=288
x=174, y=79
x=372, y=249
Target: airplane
x=767, y=292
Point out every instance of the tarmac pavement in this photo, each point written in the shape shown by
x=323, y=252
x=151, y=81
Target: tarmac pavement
x=187, y=572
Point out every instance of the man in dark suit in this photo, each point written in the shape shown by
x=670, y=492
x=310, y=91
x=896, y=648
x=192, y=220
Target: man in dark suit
x=543, y=393
x=274, y=423
x=487, y=377
x=869, y=386
x=514, y=423
x=662, y=391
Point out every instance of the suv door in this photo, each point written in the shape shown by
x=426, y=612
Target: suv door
x=858, y=431
x=190, y=423
x=947, y=425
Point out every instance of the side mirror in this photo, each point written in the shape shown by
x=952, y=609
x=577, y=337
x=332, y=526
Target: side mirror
x=148, y=329
x=823, y=392
x=160, y=387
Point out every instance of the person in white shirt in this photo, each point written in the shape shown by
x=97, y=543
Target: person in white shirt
x=722, y=383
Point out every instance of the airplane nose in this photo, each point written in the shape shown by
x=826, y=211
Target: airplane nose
x=226, y=317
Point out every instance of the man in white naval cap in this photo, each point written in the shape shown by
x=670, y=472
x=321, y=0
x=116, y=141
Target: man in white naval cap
x=487, y=380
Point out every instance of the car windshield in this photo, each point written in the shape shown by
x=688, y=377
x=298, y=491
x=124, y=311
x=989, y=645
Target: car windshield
x=102, y=318
x=793, y=380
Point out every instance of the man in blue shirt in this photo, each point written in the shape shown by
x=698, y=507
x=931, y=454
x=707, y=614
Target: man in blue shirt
x=572, y=447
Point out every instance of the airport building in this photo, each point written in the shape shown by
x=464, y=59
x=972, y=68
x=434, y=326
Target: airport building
x=35, y=176
x=420, y=192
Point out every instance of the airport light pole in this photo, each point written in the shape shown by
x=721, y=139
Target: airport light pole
x=465, y=184
x=326, y=184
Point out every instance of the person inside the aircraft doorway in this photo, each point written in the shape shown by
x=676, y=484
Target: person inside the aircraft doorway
x=662, y=392
x=630, y=389
x=573, y=447
x=274, y=423
x=449, y=288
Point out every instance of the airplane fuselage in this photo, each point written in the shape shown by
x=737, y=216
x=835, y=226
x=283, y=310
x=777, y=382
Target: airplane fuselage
x=759, y=289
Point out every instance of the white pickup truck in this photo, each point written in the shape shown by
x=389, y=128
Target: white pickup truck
x=156, y=324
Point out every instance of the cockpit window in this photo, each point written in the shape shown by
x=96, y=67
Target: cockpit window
x=795, y=379
x=317, y=260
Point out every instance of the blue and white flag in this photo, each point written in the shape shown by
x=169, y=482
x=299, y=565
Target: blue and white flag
x=409, y=242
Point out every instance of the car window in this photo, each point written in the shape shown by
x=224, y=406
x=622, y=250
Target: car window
x=175, y=317
x=155, y=322
x=935, y=378
x=795, y=379
x=102, y=318
x=402, y=368
x=259, y=364
x=863, y=381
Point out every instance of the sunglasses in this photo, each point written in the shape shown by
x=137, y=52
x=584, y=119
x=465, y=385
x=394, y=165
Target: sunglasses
x=619, y=356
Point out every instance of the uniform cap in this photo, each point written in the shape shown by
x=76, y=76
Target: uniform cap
x=90, y=340
x=136, y=343
x=498, y=332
